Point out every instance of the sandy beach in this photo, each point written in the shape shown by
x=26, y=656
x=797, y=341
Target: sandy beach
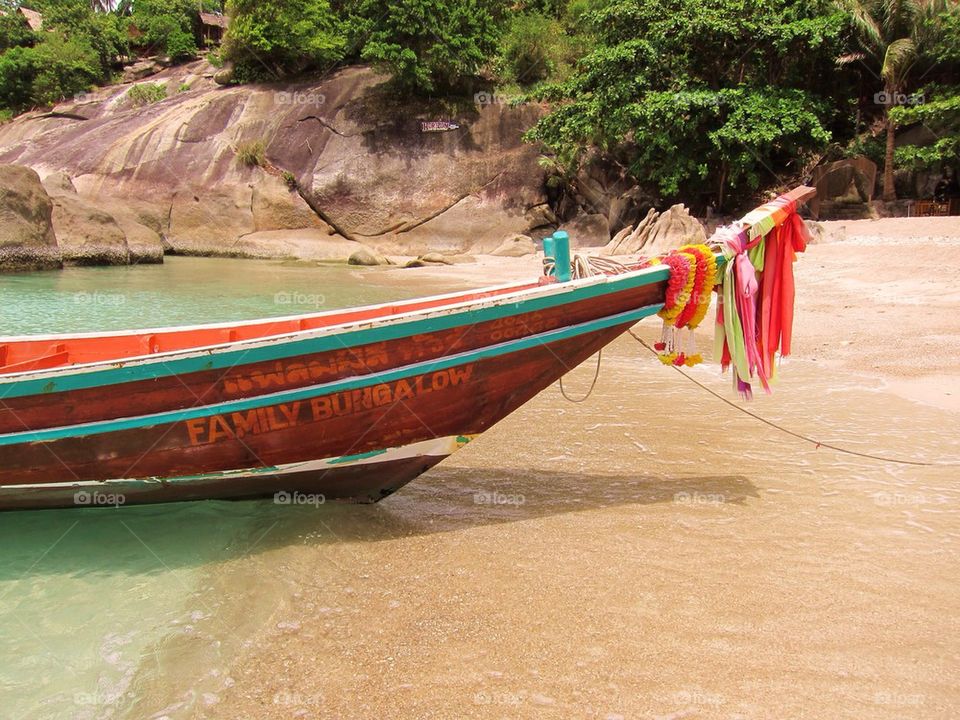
x=651, y=552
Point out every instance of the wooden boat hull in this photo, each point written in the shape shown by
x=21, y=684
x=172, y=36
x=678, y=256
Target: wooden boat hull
x=358, y=438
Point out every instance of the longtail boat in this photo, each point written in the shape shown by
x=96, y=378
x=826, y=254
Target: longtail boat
x=348, y=404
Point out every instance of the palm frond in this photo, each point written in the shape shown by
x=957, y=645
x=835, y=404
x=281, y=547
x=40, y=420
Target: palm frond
x=866, y=26
x=897, y=60
x=850, y=58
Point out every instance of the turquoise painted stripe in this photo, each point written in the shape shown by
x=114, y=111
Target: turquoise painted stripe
x=156, y=368
x=362, y=381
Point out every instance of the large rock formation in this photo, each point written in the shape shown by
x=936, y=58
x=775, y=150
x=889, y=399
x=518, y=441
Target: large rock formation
x=343, y=165
x=27, y=239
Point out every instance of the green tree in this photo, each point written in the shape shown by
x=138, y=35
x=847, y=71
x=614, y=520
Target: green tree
x=427, y=45
x=18, y=68
x=893, y=36
x=168, y=26
x=534, y=47
x=697, y=97
x=940, y=113
x=75, y=21
x=65, y=67
x=14, y=32
x=270, y=39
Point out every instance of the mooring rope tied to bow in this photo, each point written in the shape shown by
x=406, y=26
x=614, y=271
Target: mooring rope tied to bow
x=596, y=376
x=799, y=436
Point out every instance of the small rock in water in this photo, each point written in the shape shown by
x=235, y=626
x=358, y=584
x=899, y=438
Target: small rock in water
x=367, y=257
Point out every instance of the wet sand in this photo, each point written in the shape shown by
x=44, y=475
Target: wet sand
x=651, y=552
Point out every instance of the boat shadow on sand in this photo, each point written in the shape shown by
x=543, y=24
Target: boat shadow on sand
x=160, y=538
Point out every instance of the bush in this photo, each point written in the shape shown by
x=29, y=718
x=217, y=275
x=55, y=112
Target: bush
x=290, y=179
x=63, y=68
x=535, y=48
x=105, y=34
x=673, y=94
x=252, y=153
x=18, y=68
x=271, y=39
x=146, y=94
x=427, y=45
x=14, y=32
x=168, y=26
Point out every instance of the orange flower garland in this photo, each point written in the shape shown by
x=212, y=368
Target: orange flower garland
x=680, y=285
x=707, y=274
x=693, y=274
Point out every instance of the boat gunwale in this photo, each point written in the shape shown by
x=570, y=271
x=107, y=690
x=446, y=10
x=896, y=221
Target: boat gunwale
x=541, y=291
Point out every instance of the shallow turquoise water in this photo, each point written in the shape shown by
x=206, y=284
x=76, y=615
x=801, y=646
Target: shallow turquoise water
x=87, y=597
x=182, y=291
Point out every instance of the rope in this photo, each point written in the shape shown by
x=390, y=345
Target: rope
x=583, y=266
x=596, y=375
x=799, y=436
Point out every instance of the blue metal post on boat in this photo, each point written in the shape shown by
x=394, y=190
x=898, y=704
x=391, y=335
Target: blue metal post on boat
x=561, y=241
x=549, y=251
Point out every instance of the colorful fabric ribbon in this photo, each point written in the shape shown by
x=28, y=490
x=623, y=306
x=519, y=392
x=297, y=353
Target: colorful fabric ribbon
x=755, y=311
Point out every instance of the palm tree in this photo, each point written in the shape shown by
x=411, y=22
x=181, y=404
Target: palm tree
x=893, y=36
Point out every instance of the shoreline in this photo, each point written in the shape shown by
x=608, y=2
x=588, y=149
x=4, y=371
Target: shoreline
x=834, y=388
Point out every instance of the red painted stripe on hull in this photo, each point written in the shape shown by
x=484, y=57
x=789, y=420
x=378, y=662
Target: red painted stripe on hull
x=204, y=388
x=463, y=400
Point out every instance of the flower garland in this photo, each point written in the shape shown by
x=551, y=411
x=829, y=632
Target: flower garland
x=679, y=286
x=707, y=279
x=687, y=275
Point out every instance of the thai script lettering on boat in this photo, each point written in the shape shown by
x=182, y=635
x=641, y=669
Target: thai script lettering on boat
x=354, y=360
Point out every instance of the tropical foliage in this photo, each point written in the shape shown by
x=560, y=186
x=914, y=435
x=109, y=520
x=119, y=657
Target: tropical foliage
x=705, y=100
x=688, y=96
x=271, y=39
x=426, y=45
x=895, y=37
